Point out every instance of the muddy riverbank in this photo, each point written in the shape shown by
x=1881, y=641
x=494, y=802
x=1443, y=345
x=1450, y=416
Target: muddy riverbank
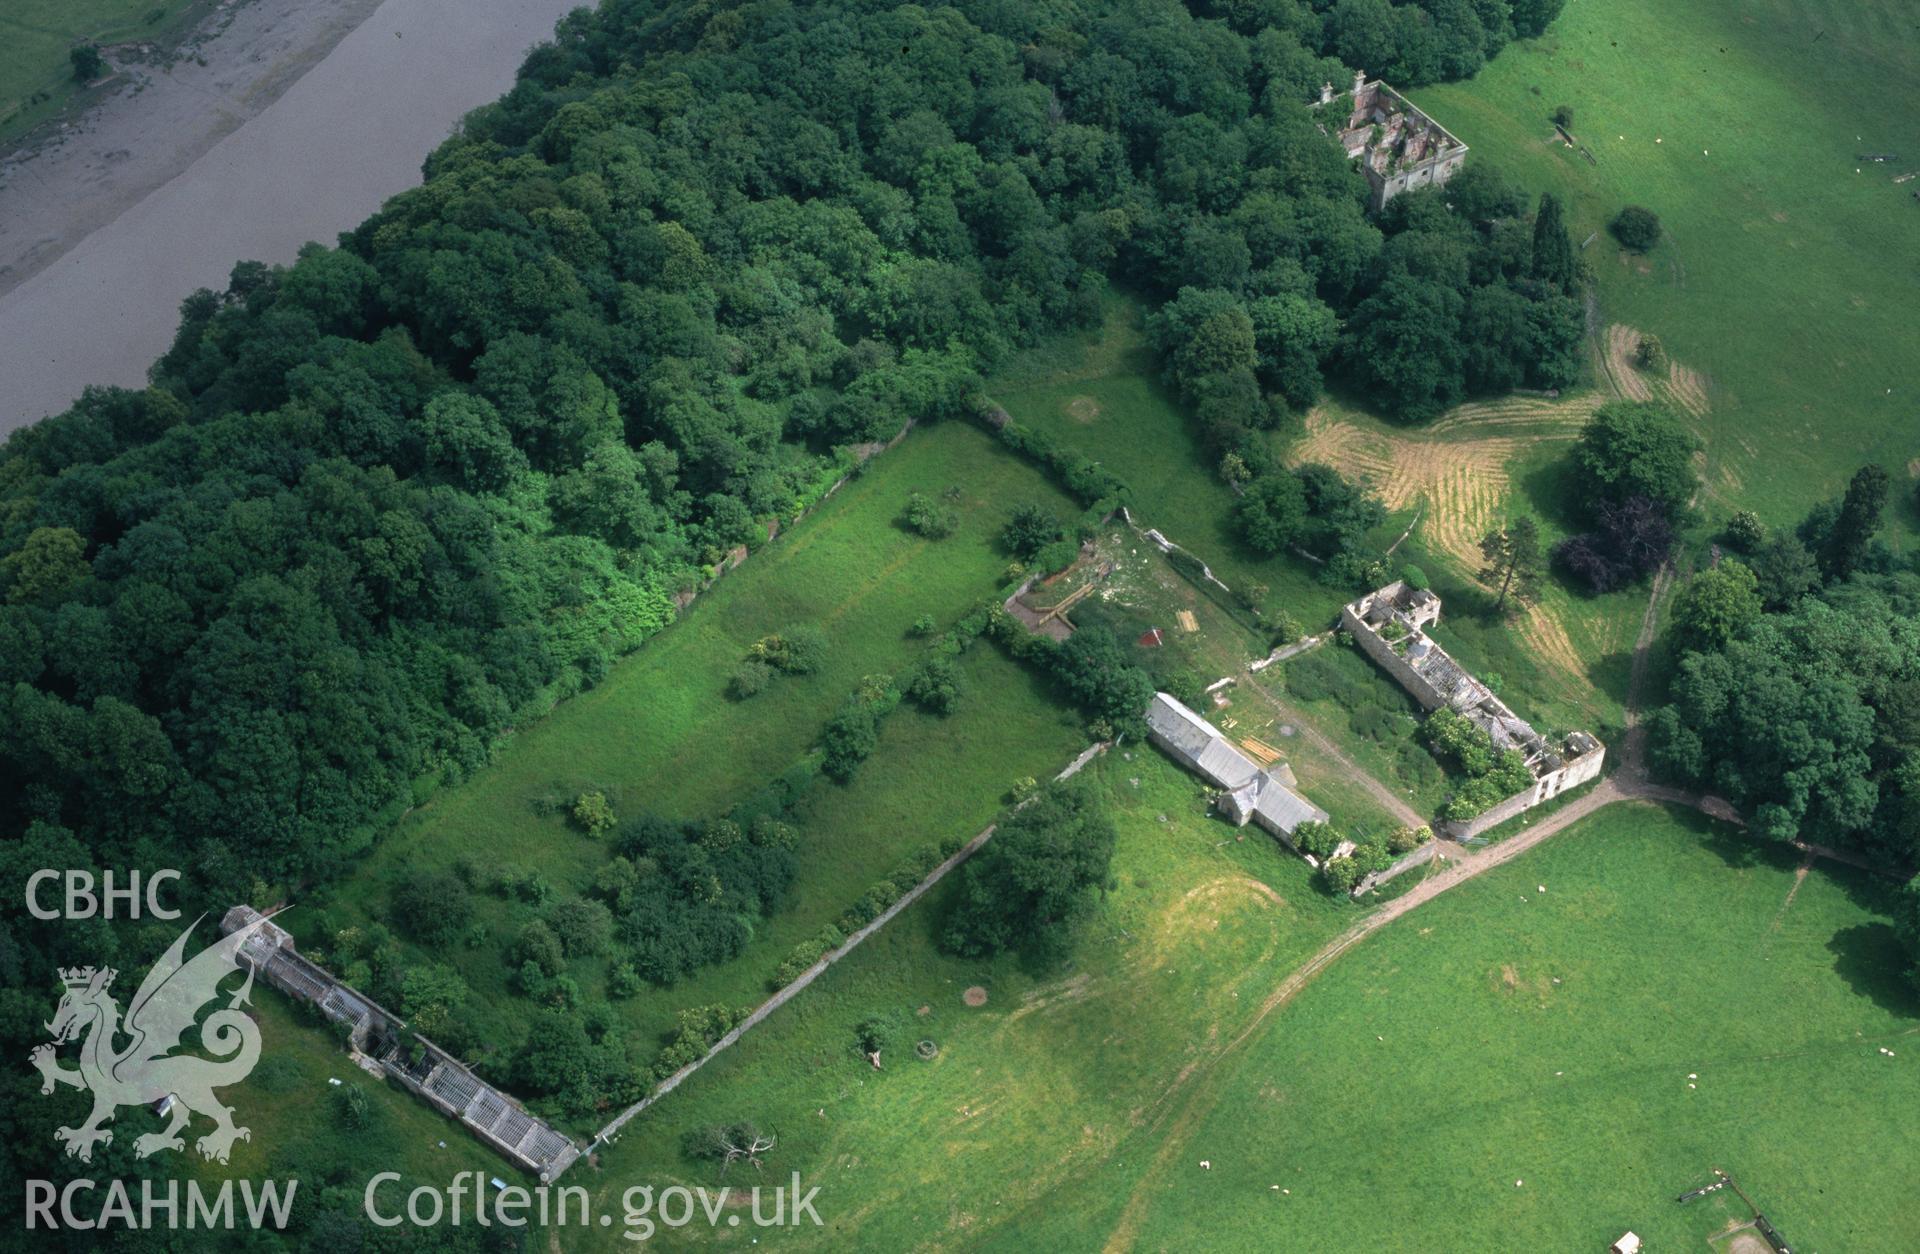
x=305, y=117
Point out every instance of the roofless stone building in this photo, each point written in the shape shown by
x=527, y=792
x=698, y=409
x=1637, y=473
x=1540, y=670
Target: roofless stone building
x=381, y=1043
x=1389, y=626
x=1399, y=147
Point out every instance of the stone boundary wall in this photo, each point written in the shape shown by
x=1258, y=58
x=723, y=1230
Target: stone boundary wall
x=607, y=1134
x=1404, y=863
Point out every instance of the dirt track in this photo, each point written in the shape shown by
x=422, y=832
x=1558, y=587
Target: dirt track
x=1182, y=1107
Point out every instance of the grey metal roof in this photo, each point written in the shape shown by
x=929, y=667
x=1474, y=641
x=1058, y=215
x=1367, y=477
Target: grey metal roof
x=1285, y=808
x=1198, y=743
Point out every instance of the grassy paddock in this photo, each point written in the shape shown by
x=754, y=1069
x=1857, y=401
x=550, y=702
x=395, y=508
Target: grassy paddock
x=660, y=734
x=1048, y=1079
x=1785, y=276
x=1502, y=1034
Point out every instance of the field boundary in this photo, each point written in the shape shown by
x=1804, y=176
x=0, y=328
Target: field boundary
x=611, y=1131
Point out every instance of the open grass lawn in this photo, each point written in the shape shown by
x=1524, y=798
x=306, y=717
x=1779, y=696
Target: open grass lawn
x=1501, y=1034
x=36, y=77
x=1100, y=392
x=659, y=734
x=1049, y=1078
x=1786, y=277
x=1398, y=1099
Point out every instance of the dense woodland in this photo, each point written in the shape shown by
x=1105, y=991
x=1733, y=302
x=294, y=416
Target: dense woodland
x=382, y=505
x=1798, y=693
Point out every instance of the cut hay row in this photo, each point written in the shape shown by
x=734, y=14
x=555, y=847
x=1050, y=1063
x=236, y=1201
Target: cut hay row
x=1546, y=637
x=1622, y=341
x=1516, y=411
x=1463, y=482
x=1687, y=389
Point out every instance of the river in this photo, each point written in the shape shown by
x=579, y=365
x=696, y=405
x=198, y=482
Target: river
x=352, y=131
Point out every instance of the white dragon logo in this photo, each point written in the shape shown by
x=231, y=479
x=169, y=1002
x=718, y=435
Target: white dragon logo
x=146, y=1071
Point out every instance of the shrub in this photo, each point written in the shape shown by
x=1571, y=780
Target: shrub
x=1650, y=354
x=1056, y=556
x=592, y=813
x=1375, y=722
x=623, y=980
x=538, y=947
x=928, y=518
x=876, y=1032
x=584, y=928
x=1746, y=532
x=352, y=1108
x=850, y=736
x=88, y=65
x=432, y=906
x=750, y=679
x=923, y=626
x=1030, y=529
x=1342, y=874
x=1636, y=228
x=936, y=686
x=1408, y=839
x=1563, y=117
x=796, y=651
x=1318, y=839
x=1414, y=578
x=805, y=954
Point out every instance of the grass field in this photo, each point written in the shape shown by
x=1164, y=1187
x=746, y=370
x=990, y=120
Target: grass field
x=1051, y=1077
x=1401, y=1094
x=1676, y=1000
x=660, y=735
x=1786, y=278
x=297, y=1125
x=36, y=78
x=1100, y=392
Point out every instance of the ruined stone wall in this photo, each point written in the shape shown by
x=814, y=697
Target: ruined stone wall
x=1376, y=647
x=1405, y=862
x=1552, y=784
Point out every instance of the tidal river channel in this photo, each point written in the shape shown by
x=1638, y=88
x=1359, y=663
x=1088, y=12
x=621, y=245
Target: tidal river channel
x=350, y=132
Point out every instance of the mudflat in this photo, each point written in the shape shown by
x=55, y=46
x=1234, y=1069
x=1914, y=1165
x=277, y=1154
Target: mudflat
x=303, y=118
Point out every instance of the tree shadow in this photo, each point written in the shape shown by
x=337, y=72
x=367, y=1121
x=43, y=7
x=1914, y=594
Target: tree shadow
x=1737, y=848
x=1549, y=489
x=1612, y=673
x=1873, y=962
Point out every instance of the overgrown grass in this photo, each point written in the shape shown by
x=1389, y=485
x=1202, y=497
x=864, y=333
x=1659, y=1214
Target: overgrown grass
x=1786, y=277
x=1029, y=1092
x=1099, y=391
x=1341, y=694
x=660, y=734
x=1505, y=1035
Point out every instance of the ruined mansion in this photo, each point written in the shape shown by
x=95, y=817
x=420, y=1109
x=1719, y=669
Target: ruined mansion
x=1399, y=147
